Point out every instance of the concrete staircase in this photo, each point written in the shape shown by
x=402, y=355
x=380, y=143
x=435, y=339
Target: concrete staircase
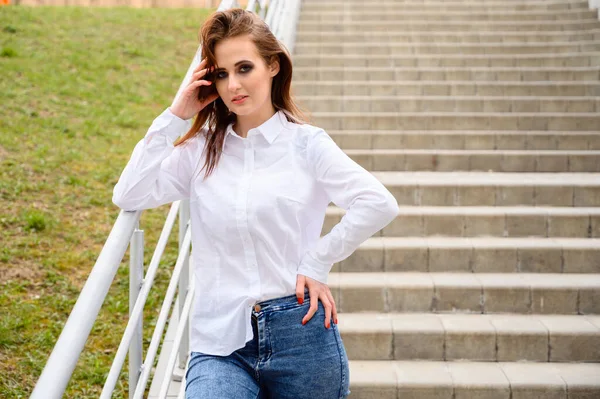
x=482, y=117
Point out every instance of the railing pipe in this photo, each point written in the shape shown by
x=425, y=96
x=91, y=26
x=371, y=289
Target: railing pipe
x=63, y=359
x=136, y=278
x=115, y=370
x=176, y=342
x=162, y=317
x=184, y=279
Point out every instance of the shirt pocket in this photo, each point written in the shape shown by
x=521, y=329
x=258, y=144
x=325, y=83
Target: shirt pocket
x=216, y=213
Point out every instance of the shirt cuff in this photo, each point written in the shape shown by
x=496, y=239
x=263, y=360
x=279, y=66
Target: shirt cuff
x=314, y=269
x=170, y=124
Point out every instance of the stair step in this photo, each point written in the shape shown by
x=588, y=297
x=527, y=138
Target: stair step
x=486, y=221
x=469, y=73
x=444, y=103
x=439, y=292
x=307, y=36
x=473, y=255
x=492, y=189
x=542, y=161
x=445, y=48
x=441, y=6
x=340, y=17
x=474, y=337
x=419, y=25
x=465, y=139
x=576, y=59
x=460, y=379
x=458, y=120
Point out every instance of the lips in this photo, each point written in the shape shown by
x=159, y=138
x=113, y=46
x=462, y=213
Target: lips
x=238, y=98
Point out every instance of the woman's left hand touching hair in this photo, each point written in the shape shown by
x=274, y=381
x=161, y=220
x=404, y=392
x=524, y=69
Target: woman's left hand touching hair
x=317, y=291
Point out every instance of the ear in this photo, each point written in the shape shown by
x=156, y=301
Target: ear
x=274, y=67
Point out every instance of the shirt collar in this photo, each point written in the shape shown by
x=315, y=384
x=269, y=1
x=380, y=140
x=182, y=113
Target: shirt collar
x=270, y=128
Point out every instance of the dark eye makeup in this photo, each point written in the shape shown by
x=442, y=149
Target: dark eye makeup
x=218, y=75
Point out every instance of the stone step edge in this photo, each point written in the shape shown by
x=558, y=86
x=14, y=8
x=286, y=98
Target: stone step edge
x=421, y=2
x=388, y=35
x=454, y=68
x=382, y=132
x=461, y=377
x=404, y=210
x=440, y=242
x=381, y=151
x=446, y=98
x=520, y=83
x=446, y=44
x=477, y=56
x=374, y=322
x=302, y=24
x=471, y=178
x=371, y=114
x=375, y=12
x=376, y=3
x=464, y=280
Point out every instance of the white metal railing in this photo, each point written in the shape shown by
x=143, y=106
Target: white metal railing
x=282, y=17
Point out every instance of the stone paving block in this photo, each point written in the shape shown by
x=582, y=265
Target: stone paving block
x=457, y=292
x=479, y=225
x=444, y=257
x=519, y=338
x=362, y=292
x=476, y=195
x=531, y=381
x=499, y=260
x=520, y=224
x=564, y=345
x=546, y=260
x=424, y=380
x=413, y=295
x=417, y=337
x=369, y=257
x=581, y=379
x=374, y=379
x=568, y=225
x=505, y=293
x=479, y=381
x=372, y=341
x=406, y=255
x=581, y=260
x=469, y=338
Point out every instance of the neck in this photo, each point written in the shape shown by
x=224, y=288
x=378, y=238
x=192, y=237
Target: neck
x=244, y=123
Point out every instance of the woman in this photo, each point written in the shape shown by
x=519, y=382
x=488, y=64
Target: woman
x=260, y=264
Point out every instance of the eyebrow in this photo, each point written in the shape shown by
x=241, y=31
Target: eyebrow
x=236, y=64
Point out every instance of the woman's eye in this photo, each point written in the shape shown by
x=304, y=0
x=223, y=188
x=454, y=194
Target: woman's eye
x=243, y=69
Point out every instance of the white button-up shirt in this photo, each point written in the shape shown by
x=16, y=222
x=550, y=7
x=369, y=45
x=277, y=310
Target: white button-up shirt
x=256, y=221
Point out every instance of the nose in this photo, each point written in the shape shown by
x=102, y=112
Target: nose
x=233, y=85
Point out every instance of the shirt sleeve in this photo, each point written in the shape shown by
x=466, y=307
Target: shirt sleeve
x=369, y=205
x=157, y=172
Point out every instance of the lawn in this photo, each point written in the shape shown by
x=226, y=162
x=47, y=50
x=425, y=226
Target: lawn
x=79, y=88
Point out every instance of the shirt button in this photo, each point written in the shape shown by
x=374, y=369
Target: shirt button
x=257, y=308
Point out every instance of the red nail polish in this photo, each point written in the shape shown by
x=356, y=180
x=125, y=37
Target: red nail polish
x=303, y=322
x=328, y=325
x=335, y=321
x=300, y=301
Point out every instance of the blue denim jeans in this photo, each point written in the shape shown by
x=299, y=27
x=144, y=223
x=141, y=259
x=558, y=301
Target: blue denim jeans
x=285, y=359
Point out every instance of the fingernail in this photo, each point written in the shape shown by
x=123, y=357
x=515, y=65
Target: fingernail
x=335, y=321
x=303, y=322
x=300, y=301
x=327, y=325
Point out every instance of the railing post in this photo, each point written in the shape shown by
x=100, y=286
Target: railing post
x=184, y=282
x=136, y=277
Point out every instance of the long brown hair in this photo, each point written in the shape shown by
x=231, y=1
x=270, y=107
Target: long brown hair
x=230, y=23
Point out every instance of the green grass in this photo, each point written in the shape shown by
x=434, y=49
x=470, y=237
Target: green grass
x=79, y=87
